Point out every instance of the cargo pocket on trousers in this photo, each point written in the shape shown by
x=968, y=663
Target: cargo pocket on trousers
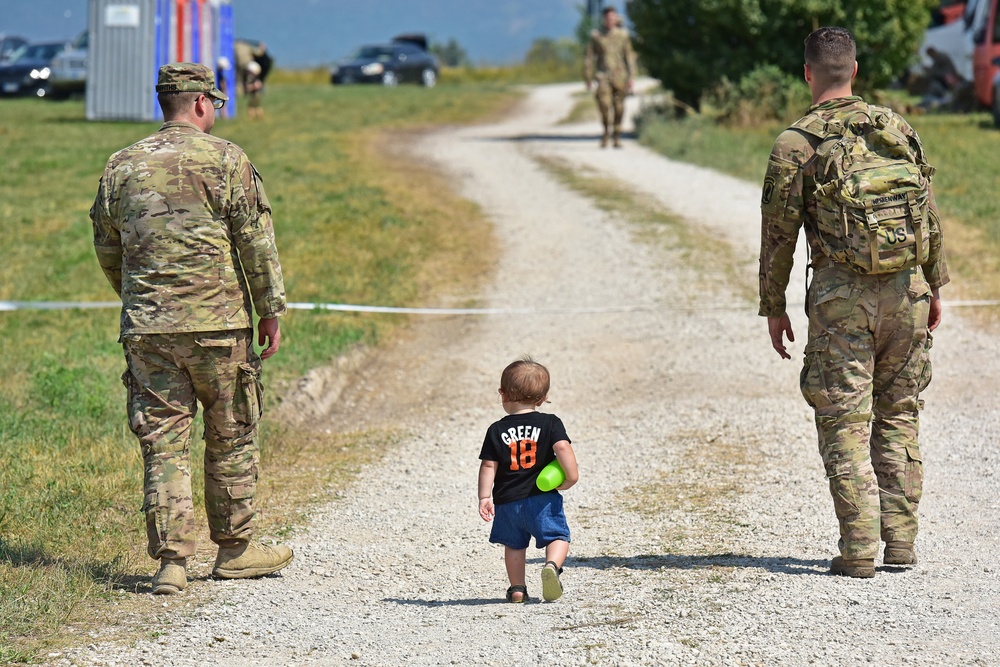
x=913, y=482
x=132, y=415
x=238, y=513
x=252, y=395
x=924, y=376
x=845, y=494
x=157, y=519
x=812, y=379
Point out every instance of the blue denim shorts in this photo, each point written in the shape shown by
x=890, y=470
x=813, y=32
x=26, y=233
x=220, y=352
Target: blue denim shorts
x=540, y=516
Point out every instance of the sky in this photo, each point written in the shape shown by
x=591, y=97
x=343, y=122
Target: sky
x=302, y=33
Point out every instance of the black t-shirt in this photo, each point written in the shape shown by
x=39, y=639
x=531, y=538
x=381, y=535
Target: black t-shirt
x=521, y=445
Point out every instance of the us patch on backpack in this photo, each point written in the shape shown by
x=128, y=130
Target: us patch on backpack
x=872, y=192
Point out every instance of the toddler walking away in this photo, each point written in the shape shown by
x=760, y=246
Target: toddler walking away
x=515, y=450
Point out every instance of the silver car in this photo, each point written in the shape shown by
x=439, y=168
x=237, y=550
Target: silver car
x=69, y=70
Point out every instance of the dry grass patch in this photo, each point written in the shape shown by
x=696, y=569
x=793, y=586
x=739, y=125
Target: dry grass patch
x=692, y=502
x=584, y=110
x=692, y=244
x=975, y=269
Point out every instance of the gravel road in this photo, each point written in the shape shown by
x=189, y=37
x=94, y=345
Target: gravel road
x=702, y=526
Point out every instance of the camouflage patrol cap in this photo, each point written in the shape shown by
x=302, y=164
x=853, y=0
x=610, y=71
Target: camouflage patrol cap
x=188, y=78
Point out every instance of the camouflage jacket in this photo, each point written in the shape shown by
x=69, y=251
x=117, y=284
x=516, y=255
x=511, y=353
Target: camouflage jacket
x=183, y=232
x=609, y=53
x=787, y=204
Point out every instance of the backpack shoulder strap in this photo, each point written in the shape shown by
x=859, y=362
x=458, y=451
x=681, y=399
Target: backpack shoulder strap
x=815, y=126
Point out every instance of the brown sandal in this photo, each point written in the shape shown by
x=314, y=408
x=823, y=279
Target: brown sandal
x=515, y=590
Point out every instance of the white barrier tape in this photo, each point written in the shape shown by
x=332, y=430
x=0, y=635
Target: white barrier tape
x=344, y=307
x=57, y=305
x=349, y=308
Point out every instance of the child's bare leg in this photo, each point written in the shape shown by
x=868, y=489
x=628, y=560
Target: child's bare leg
x=514, y=560
x=556, y=551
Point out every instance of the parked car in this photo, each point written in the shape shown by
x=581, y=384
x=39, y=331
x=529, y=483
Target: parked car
x=9, y=44
x=69, y=70
x=29, y=68
x=402, y=61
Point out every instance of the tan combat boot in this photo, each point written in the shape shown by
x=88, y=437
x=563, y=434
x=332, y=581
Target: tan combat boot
x=250, y=559
x=618, y=139
x=859, y=568
x=900, y=553
x=605, y=137
x=171, y=577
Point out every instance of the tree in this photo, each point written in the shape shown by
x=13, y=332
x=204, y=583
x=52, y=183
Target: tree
x=691, y=45
x=548, y=52
x=587, y=24
x=450, y=53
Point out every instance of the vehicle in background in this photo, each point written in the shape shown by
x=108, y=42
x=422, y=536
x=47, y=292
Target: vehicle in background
x=404, y=60
x=986, y=38
x=9, y=44
x=955, y=38
x=29, y=68
x=69, y=70
x=948, y=12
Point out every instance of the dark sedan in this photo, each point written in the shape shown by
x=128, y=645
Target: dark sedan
x=9, y=44
x=28, y=70
x=387, y=64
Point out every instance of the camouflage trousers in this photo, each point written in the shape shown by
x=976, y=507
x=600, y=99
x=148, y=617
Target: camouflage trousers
x=167, y=376
x=610, y=98
x=866, y=363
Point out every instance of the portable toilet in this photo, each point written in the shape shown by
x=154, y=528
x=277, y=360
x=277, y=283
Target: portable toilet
x=131, y=39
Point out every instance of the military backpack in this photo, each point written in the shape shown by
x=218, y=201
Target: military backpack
x=872, y=192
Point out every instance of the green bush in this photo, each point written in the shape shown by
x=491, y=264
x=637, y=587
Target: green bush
x=764, y=95
x=690, y=45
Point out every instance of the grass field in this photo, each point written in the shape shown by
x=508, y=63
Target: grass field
x=356, y=222
x=965, y=149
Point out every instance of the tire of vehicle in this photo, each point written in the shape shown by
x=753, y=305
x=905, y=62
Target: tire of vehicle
x=428, y=78
x=390, y=79
x=996, y=106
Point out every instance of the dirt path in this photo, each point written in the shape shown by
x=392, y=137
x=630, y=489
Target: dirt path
x=701, y=525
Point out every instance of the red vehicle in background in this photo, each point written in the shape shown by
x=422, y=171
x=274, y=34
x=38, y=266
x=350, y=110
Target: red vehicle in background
x=986, y=37
x=973, y=44
x=949, y=12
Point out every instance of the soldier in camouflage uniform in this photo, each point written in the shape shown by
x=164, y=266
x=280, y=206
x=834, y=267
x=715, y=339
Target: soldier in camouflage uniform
x=611, y=61
x=182, y=230
x=866, y=360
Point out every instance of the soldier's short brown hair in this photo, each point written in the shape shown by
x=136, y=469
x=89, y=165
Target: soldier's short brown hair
x=831, y=53
x=174, y=104
x=525, y=381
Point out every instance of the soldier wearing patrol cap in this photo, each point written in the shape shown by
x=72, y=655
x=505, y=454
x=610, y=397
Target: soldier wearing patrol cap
x=182, y=230
x=872, y=303
x=611, y=61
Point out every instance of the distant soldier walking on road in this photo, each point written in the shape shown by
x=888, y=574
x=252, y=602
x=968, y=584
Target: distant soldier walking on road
x=183, y=232
x=856, y=177
x=611, y=61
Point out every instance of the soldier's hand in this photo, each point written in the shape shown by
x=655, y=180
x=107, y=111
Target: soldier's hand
x=934, y=316
x=269, y=334
x=777, y=327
